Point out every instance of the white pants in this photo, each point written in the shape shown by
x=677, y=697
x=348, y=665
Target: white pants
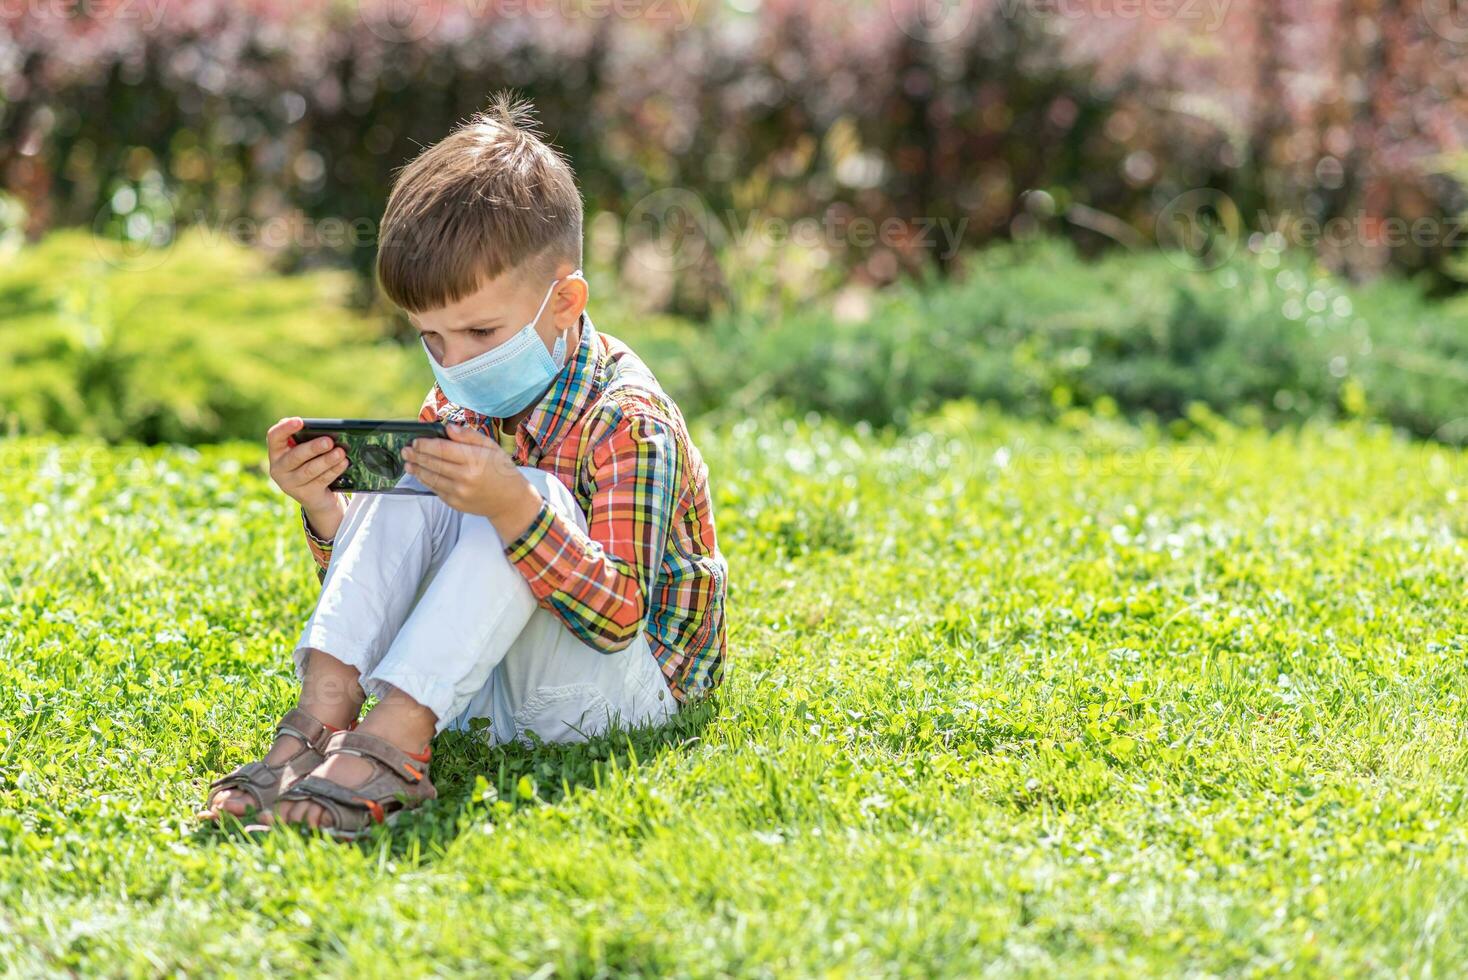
x=422, y=597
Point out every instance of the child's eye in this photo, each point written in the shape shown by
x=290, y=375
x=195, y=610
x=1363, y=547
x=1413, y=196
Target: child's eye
x=481, y=331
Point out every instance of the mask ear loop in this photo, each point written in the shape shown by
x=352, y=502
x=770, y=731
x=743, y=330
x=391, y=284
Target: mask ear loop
x=559, y=359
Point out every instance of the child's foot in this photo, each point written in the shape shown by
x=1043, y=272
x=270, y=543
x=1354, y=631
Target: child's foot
x=365, y=779
x=299, y=739
x=351, y=771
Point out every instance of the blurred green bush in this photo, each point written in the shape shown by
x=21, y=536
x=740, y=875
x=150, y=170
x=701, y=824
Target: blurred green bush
x=1037, y=329
x=194, y=343
x=202, y=341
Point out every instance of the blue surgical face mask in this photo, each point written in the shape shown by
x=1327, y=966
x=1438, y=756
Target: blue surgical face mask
x=507, y=379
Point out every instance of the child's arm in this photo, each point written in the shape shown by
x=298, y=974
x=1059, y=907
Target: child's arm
x=305, y=471
x=596, y=581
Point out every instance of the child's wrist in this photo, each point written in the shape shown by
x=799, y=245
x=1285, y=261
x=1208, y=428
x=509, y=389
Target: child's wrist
x=519, y=510
x=323, y=521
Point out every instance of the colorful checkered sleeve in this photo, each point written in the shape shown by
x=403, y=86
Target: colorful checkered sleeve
x=598, y=581
x=320, y=547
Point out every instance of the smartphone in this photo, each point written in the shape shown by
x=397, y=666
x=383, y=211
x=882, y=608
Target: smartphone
x=374, y=450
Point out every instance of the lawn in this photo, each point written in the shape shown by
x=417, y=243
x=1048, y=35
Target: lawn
x=1003, y=697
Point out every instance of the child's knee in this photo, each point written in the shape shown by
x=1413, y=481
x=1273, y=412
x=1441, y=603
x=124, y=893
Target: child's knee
x=556, y=494
x=476, y=533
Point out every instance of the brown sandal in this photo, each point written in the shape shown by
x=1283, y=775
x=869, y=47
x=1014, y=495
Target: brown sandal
x=399, y=783
x=264, y=781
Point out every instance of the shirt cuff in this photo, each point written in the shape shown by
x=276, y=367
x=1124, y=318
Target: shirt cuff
x=320, y=547
x=521, y=548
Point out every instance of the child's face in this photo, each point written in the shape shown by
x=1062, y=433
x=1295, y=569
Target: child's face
x=498, y=310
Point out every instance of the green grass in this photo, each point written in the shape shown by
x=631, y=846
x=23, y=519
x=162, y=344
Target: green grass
x=1076, y=699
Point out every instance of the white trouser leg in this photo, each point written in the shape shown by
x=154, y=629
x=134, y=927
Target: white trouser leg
x=552, y=683
x=564, y=690
x=387, y=552
x=476, y=643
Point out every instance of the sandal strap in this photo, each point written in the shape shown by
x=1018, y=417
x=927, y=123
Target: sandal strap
x=260, y=779
x=327, y=794
x=321, y=788
x=406, y=766
x=352, y=806
x=305, y=726
x=252, y=777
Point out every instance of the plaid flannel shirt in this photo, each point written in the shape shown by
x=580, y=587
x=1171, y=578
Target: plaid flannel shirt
x=649, y=559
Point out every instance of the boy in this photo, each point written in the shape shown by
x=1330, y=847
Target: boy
x=566, y=572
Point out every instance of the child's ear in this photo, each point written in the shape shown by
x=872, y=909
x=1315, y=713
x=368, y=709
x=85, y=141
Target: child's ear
x=571, y=300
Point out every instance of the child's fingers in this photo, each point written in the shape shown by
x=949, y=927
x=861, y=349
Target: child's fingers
x=441, y=449
x=440, y=468
x=327, y=464
x=305, y=453
x=467, y=434
x=277, y=439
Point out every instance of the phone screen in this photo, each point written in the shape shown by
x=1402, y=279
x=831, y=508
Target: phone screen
x=374, y=452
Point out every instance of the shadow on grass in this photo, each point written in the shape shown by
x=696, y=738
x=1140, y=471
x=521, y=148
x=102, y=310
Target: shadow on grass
x=553, y=770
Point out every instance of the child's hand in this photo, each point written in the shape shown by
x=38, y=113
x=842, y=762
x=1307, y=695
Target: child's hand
x=305, y=471
x=472, y=473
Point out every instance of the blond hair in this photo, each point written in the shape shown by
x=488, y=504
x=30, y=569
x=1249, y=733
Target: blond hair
x=491, y=196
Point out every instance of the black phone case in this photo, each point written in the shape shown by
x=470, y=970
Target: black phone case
x=374, y=451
